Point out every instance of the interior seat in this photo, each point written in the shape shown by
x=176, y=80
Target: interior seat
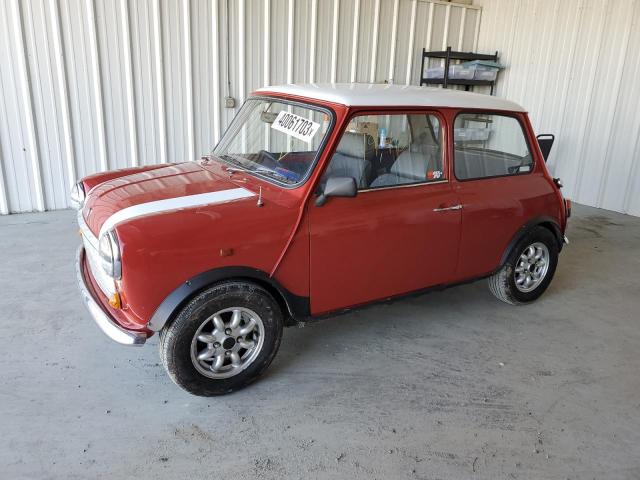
x=410, y=167
x=352, y=158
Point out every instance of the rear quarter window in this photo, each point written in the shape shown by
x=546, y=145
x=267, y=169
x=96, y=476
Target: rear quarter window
x=489, y=145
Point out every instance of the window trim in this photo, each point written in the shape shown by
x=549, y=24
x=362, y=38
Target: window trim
x=402, y=185
x=517, y=117
x=401, y=111
x=296, y=103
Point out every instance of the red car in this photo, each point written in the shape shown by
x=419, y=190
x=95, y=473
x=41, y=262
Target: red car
x=318, y=199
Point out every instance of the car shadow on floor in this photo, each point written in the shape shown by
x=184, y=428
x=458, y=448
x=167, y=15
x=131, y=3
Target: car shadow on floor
x=466, y=307
x=413, y=317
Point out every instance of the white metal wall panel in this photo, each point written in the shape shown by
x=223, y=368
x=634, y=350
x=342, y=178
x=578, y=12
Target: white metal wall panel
x=175, y=73
x=20, y=156
x=301, y=42
x=574, y=65
x=111, y=53
x=87, y=132
x=147, y=84
x=278, y=41
x=91, y=85
x=384, y=42
x=345, y=39
x=323, y=41
x=254, y=48
x=41, y=70
x=203, y=71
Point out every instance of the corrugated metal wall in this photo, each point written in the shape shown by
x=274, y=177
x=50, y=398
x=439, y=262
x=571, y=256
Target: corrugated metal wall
x=90, y=85
x=575, y=65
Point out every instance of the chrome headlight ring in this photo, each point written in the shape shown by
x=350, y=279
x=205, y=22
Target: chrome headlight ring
x=77, y=196
x=109, y=251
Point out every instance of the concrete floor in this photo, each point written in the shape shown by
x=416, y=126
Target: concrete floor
x=452, y=384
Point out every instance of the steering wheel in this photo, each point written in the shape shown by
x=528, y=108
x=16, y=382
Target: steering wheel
x=268, y=160
x=271, y=161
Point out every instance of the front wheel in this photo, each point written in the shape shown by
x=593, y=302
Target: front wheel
x=223, y=339
x=528, y=270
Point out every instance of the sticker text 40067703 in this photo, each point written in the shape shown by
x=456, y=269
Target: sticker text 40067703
x=296, y=126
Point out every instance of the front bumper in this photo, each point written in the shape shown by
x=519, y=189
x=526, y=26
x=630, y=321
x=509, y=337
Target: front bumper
x=106, y=323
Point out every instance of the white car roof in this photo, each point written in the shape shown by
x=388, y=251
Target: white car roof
x=376, y=94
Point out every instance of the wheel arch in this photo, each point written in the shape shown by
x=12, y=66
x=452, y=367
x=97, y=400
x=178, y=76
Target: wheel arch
x=546, y=222
x=294, y=307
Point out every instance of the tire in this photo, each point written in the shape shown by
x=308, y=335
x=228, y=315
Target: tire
x=507, y=285
x=195, y=331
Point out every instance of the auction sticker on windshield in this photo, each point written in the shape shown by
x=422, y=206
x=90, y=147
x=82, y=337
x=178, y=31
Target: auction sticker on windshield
x=296, y=126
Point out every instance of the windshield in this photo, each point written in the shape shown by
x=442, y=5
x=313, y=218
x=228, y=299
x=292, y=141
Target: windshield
x=273, y=139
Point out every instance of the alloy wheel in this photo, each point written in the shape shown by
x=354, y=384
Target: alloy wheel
x=531, y=267
x=227, y=342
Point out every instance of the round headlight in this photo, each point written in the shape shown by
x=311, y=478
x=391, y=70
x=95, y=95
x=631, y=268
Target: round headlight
x=109, y=251
x=77, y=195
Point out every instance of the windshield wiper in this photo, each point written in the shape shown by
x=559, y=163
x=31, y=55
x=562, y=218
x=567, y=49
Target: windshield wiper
x=232, y=159
x=264, y=171
x=274, y=173
x=237, y=169
x=241, y=168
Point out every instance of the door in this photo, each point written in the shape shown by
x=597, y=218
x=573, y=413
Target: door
x=498, y=185
x=400, y=233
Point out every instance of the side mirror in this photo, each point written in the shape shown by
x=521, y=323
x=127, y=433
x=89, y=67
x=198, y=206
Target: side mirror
x=337, y=187
x=545, y=141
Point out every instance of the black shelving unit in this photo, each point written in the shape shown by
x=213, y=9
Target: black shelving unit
x=449, y=55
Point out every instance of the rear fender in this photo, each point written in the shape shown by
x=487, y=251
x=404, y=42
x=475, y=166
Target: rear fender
x=546, y=222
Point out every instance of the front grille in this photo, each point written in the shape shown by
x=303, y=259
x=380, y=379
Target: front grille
x=104, y=281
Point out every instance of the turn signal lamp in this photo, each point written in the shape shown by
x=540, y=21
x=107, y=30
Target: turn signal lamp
x=114, y=300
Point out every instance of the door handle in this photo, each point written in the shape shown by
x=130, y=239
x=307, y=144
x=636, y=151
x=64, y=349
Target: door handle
x=445, y=209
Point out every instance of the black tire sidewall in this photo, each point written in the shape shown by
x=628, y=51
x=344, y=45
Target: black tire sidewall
x=176, y=340
x=537, y=234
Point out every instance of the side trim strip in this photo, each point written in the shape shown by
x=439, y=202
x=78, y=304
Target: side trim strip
x=176, y=203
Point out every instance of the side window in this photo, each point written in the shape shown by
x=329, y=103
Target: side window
x=387, y=150
x=489, y=146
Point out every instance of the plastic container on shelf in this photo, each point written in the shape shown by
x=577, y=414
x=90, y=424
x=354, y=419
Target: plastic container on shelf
x=461, y=72
x=435, y=72
x=483, y=70
x=457, y=72
x=485, y=73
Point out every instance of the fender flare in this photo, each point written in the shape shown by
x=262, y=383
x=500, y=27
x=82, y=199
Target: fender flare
x=295, y=306
x=526, y=228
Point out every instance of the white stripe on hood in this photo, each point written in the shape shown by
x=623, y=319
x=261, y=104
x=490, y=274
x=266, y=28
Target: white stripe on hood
x=176, y=203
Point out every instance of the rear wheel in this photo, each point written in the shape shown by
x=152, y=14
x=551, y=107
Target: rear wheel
x=223, y=339
x=529, y=268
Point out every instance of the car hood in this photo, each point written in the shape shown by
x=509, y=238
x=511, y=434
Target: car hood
x=172, y=187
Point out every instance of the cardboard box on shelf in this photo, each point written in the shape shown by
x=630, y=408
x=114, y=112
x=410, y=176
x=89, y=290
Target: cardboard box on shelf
x=370, y=128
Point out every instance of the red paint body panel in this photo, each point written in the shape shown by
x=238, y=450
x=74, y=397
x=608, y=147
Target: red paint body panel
x=162, y=251
x=98, y=178
x=380, y=244
x=494, y=210
x=348, y=252
x=170, y=181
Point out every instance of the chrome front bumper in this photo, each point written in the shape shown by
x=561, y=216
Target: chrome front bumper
x=114, y=331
